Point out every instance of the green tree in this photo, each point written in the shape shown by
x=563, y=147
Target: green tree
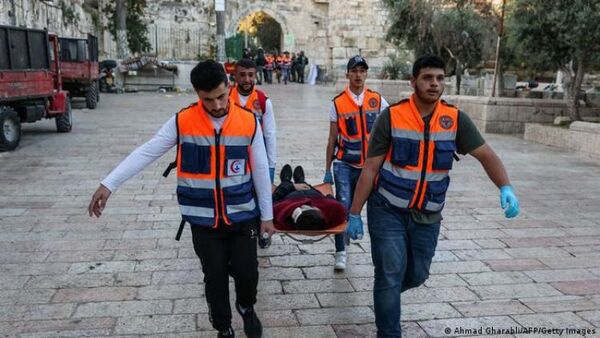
x=268, y=32
x=136, y=29
x=458, y=33
x=556, y=34
x=411, y=24
x=453, y=29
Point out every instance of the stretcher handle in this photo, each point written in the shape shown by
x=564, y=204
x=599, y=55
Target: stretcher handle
x=306, y=241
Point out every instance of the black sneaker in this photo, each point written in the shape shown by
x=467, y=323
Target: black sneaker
x=286, y=173
x=299, y=175
x=229, y=333
x=252, y=325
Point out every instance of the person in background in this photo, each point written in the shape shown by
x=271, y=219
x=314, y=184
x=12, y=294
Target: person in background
x=260, y=65
x=269, y=67
x=245, y=94
x=301, y=62
x=286, y=65
x=352, y=115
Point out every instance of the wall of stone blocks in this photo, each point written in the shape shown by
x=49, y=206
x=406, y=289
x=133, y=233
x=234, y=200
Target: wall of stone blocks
x=509, y=115
x=583, y=137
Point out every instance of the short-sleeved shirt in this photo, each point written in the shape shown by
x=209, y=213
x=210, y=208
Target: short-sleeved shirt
x=468, y=139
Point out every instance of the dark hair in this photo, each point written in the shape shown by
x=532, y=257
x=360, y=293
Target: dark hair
x=427, y=61
x=311, y=219
x=245, y=63
x=208, y=75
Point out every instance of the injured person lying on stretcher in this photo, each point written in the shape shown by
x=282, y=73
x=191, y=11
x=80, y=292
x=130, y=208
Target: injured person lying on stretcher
x=299, y=206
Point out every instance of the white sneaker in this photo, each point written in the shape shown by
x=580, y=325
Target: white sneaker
x=340, y=261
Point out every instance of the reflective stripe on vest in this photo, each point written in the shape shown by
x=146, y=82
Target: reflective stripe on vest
x=415, y=173
x=354, y=125
x=214, y=179
x=252, y=104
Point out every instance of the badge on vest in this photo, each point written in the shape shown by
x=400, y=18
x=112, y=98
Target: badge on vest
x=372, y=102
x=236, y=167
x=446, y=122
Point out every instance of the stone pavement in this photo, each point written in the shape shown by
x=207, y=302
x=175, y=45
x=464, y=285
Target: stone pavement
x=65, y=274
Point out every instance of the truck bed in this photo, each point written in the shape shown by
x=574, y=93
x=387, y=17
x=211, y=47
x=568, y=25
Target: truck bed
x=85, y=71
x=25, y=84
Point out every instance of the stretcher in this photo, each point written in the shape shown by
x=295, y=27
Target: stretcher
x=325, y=189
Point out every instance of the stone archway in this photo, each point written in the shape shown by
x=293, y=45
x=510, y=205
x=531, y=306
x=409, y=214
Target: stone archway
x=236, y=17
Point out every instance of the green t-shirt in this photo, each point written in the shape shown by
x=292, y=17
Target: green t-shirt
x=468, y=139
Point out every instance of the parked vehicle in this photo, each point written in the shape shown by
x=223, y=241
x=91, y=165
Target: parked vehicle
x=79, y=68
x=107, y=77
x=30, y=83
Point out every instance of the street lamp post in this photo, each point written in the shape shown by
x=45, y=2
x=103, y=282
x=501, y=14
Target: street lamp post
x=220, y=11
x=497, y=65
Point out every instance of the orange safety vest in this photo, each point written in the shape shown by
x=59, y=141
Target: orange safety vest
x=214, y=180
x=415, y=173
x=256, y=102
x=354, y=125
x=269, y=64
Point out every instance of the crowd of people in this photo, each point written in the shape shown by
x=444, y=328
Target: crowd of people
x=281, y=67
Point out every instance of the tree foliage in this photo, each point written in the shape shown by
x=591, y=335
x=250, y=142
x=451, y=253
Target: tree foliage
x=269, y=34
x=264, y=29
x=549, y=35
x=459, y=33
x=411, y=24
x=137, y=31
x=453, y=29
x=434, y=26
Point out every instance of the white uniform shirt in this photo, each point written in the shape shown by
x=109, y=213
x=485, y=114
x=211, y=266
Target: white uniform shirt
x=166, y=138
x=268, y=129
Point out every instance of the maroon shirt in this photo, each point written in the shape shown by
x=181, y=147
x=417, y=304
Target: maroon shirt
x=334, y=211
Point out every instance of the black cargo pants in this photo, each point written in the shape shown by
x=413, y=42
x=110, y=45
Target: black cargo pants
x=227, y=250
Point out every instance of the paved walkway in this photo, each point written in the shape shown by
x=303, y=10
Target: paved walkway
x=65, y=274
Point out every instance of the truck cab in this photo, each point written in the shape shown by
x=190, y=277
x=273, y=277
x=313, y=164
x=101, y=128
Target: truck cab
x=79, y=68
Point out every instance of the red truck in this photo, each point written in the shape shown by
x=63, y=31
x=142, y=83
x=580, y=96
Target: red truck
x=30, y=83
x=79, y=68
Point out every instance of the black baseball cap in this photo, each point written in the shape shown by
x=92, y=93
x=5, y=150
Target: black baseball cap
x=356, y=60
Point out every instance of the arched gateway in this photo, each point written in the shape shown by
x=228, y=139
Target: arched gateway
x=328, y=31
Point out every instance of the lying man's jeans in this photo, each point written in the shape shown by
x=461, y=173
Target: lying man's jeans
x=402, y=251
x=345, y=177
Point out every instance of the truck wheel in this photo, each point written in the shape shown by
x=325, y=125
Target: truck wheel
x=64, y=122
x=10, y=132
x=97, y=91
x=91, y=96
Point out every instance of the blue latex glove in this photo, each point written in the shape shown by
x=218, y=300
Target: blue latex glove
x=272, y=174
x=509, y=201
x=328, y=177
x=355, y=227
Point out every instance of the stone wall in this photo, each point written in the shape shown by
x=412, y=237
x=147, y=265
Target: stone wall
x=41, y=15
x=583, y=137
x=151, y=80
x=358, y=27
x=329, y=32
x=509, y=115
